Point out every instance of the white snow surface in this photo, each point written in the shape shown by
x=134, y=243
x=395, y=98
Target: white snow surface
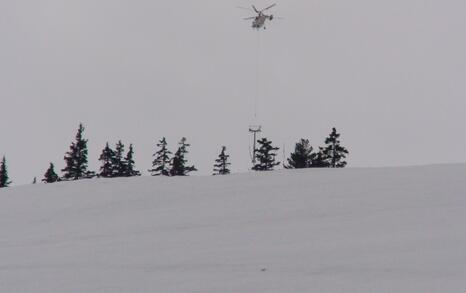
x=352, y=230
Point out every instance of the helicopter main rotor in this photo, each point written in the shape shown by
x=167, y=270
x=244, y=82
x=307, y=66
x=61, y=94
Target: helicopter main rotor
x=254, y=9
x=267, y=8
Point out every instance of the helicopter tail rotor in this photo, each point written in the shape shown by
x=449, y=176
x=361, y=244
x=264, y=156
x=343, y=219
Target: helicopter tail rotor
x=271, y=17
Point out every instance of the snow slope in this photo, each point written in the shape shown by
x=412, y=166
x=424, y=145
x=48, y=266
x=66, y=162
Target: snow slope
x=354, y=230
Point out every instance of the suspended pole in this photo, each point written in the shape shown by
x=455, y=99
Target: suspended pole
x=255, y=129
x=258, y=50
x=258, y=23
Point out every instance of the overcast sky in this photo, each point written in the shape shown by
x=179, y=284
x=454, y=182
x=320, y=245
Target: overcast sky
x=390, y=75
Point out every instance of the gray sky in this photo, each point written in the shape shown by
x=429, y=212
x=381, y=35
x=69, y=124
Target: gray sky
x=390, y=75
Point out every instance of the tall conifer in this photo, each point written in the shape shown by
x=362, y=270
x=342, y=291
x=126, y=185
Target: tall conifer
x=107, y=159
x=179, y=163
x=76, y=159
x=4, y=179
x=129, y=167
x=320, y=160
x=334, y=152
x=221, y=164
x=302, y=156
x=119, y=163
x=265, y=156
x=161, y=163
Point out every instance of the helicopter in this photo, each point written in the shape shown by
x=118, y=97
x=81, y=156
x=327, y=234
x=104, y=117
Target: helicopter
x=260, y=19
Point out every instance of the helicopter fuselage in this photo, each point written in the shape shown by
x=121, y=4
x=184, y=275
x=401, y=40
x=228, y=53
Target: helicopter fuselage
x=260, y=20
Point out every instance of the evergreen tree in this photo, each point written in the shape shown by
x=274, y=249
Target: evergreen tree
x=107, y=158
x=76, y=159
x=177, y=164
x=50, y=176
x=302, y=157
x=265, y=156
x=334, y=152
x=129, y=170
x=4, y=179
x=34, y=181
x=320, y=160
x=179, y=167
x=221, y=164
x=161, y=163
x=119, y=162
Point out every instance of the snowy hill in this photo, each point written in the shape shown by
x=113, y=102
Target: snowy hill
x=353, y=230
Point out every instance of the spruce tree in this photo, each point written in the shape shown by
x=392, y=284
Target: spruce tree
x=302, y=157
x=50, y=176
x=265, y=156
x=221, y=164
x=320, y=160
x=76, y=159
x=161, y=163
x=119, y=162
x=107, y=158
x=4, y=179
x=334, y=152
x=178, y=166
x=129, y=168
x=34, y=181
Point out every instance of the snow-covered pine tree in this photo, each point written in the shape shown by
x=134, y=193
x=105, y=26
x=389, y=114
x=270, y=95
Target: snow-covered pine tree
x=76, y=159
x=302, y=156
x=107, y=157
x=179, y=163
x=4, y=179
x=129, y=170
x=50, y=176
x=265, y=156
x=221, y=164
x=119, y=163
x=334, y=152
x=161, y=163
